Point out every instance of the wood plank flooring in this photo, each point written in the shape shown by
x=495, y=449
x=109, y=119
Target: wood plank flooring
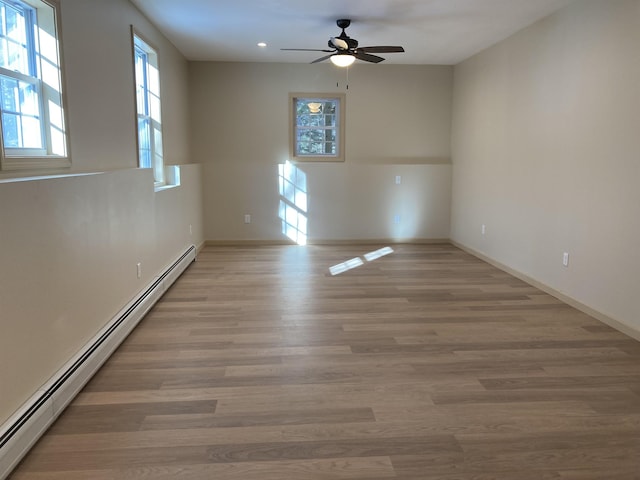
x=423, y=364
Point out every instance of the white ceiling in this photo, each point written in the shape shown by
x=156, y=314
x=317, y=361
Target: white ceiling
x=441, y=32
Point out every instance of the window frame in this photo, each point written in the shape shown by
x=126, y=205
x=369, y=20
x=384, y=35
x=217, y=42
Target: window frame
x=155, y=125
x=339, y=156
x=18, y=158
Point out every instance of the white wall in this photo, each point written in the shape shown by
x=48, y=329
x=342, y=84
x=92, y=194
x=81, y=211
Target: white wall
x=397, y=123
x=69, y=245
x=546, y=154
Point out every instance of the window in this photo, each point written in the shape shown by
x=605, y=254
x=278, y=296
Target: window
x=147, y=77
x=33, y=118
x=317, y=127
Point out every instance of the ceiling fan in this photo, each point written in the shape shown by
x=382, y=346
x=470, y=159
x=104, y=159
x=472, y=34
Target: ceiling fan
x=343, y=50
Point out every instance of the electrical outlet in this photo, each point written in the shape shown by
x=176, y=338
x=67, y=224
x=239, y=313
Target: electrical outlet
x=484, y=229
x=190, y=229
x=565, y=259
x=396, y=219
x=398, y=179
x=247, y=218
x=139, y=269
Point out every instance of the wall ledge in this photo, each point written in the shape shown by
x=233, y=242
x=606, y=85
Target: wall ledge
x=46, y=177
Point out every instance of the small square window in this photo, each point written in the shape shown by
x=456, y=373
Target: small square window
x=317, y=127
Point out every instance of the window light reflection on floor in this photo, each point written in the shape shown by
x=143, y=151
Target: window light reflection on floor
x=345, y=266
x=357, y=261
x=371, y=256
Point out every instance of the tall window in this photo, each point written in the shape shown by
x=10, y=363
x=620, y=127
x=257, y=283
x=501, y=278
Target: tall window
x=317, y=127
x=33, y=120
x=148, y=108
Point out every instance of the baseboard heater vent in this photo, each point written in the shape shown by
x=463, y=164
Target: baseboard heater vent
x=21, y=431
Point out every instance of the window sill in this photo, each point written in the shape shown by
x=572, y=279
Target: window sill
x=172, y=176
x=23, y=164
x=326, y=159
x=162, y=188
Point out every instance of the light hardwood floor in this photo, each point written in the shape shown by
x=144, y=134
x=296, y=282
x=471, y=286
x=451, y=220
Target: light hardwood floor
x=424, y=364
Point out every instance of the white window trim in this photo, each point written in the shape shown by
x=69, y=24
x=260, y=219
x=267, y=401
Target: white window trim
x=158, y=167
x=340, y=130
x=38, y=159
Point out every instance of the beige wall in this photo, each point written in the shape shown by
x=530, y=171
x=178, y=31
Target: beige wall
x=69, y=245
x=546, y=144
x=545, y=148
x=100, y=91
x=398, y=123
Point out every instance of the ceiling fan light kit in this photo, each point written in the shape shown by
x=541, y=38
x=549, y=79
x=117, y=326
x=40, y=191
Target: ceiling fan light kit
x=344, y=50
x=342, y=59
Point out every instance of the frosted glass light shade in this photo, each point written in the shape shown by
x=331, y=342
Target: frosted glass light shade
x=342, y=60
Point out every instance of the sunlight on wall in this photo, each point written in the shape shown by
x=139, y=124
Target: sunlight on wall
x=293, y=202
x=357, y=261
x=52, y=82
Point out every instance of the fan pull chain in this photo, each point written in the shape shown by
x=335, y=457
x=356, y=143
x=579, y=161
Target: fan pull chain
x=347, y=84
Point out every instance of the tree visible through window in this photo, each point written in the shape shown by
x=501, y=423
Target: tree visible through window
x=33, y=123
x=318, y=126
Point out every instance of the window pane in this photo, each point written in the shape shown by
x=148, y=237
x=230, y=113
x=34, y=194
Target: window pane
x=4, y=55
x=21, y=123
x=9, y=92
x=316, y=126
x=10, y=130
x=17, y=58
x=28, y=99
x=15, y=25
x=15, y=55
x=31, y=85
x=144, y=142
x=141, y=80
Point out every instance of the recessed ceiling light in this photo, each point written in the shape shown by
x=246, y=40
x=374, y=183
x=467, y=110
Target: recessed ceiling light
x=262, y=44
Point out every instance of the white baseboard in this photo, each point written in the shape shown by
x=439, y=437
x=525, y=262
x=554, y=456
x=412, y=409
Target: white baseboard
x=612, y=322
x=23, y=428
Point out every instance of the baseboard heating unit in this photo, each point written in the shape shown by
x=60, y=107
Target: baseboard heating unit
x=23, y=429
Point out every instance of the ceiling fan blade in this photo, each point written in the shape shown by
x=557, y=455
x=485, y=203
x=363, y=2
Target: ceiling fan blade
x=322, y=59
x=306, y=50
x=382, y=49
x=367, y=57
